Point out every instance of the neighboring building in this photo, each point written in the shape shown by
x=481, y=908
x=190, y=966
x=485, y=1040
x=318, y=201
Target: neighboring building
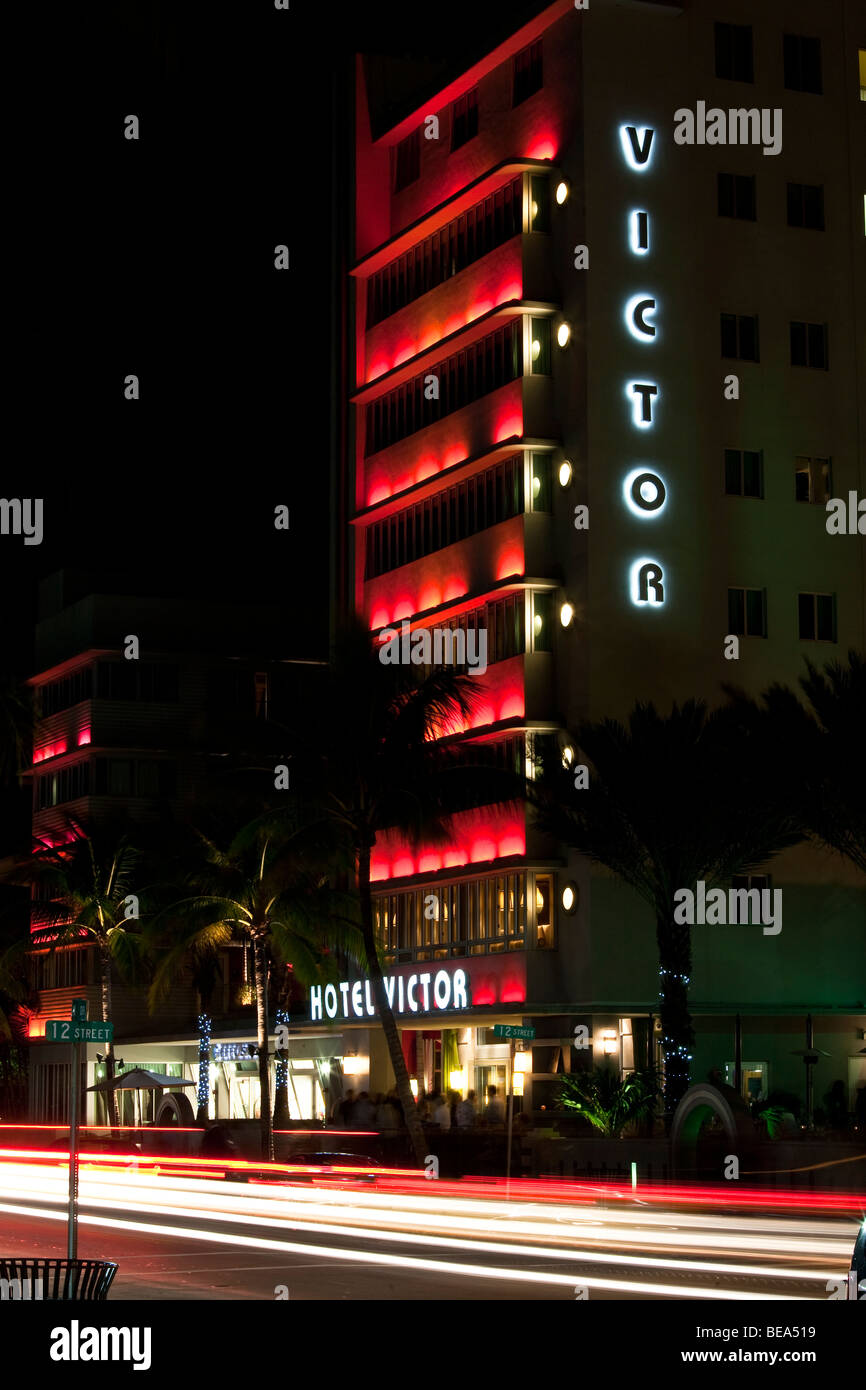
x=549, y=299
x=141, y=740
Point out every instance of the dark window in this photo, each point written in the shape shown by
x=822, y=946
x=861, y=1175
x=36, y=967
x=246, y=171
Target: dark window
x=737, y=196
x=806, y=206
x=734, y=52
x=407, y=161
x=817, y=617
x=70, y=690
x=744, y=473
x=528, y=74
x=464, y=118
x=802, y=63
x=747, y=612
x=447, y=251
x=809, y=345
x=740, y=336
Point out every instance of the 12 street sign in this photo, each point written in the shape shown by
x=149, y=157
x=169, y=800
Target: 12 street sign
x=508, y=1030
x=61, y=1030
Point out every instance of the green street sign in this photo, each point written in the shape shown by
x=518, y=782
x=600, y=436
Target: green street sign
x=79, y=1011
x=509, y=1030
x=59, y=1030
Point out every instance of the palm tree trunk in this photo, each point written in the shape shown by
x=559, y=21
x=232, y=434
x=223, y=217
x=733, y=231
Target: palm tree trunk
x=260, y=970
x=678, y=1037
x=386, y=1017
x=105, y=980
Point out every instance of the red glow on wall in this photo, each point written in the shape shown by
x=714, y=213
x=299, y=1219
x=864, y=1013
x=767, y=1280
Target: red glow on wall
x=477, y=837
x=513, y=993
x=455, y=455
x=509, y=427
x=49, y=750
x=543, y=148
x=431, y=597
x=455, y=589
x=379, y=618
x=378, y=494
x=511, y=561
x=513, y=706
x=36, y=1027
x=427, y=468
x=83, y=737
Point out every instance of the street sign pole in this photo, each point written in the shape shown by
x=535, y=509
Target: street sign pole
x=510, y=1122
x=72, y=1221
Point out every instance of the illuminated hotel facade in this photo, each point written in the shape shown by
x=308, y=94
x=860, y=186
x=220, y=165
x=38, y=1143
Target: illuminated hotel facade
x=599, y=386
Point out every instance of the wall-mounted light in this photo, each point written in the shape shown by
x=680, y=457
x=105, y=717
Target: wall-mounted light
x=566, y=615
x=356, y=1066
x=517, y=1084
x=562, y=192
x=566, y=473
x=413, y=1086
x=569, y=898
x=609, y=1042
x=567, y=755
x=522, y=1063
x=563, y=334
x=458, y=1079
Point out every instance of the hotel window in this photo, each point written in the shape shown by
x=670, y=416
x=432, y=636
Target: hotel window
x=542, y=620
x=862, y=64
x=737, y=196
x=744, y=469
x=539, y=204
x=260, y=694
x=809, y=345
x=543, y=910
x=539, y=350
x=747, y=612
x=407, y=161
x=540, y=483
x=528, y=73
x=446, y=252
x=806, y=206
x=802, y=58
x=71, y=690
x=750, y=881
x=813, y=479
x=495, y=361
x=493, y=496
x=68, y=784
x=740, y=336
x=734, y=52
x=464, y=118
x=816, y=617
x=136, y=680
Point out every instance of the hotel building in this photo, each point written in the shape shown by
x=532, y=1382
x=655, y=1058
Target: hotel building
x=598, y=386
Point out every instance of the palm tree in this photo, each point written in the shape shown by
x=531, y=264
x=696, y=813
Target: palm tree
x=671, y=799
x=607, y=1101
x=89, y=880
x=374, y=760
x=820, y=751
x=265, y=888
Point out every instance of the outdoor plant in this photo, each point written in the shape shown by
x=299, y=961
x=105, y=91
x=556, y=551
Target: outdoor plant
x=606, y=1100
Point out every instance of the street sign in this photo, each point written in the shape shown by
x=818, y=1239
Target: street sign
x=510, y=1030
x=79, y=1011
x=59, y=1030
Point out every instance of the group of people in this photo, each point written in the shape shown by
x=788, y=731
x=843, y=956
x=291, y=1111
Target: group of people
x=443, y=1109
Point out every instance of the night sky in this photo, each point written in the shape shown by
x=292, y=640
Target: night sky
x=156, y=257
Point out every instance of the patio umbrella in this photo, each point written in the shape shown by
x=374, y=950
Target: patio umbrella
x=137, y=1079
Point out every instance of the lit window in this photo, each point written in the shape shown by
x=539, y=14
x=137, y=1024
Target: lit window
x=539, y=352
x=813, y=479
x=862, y=57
